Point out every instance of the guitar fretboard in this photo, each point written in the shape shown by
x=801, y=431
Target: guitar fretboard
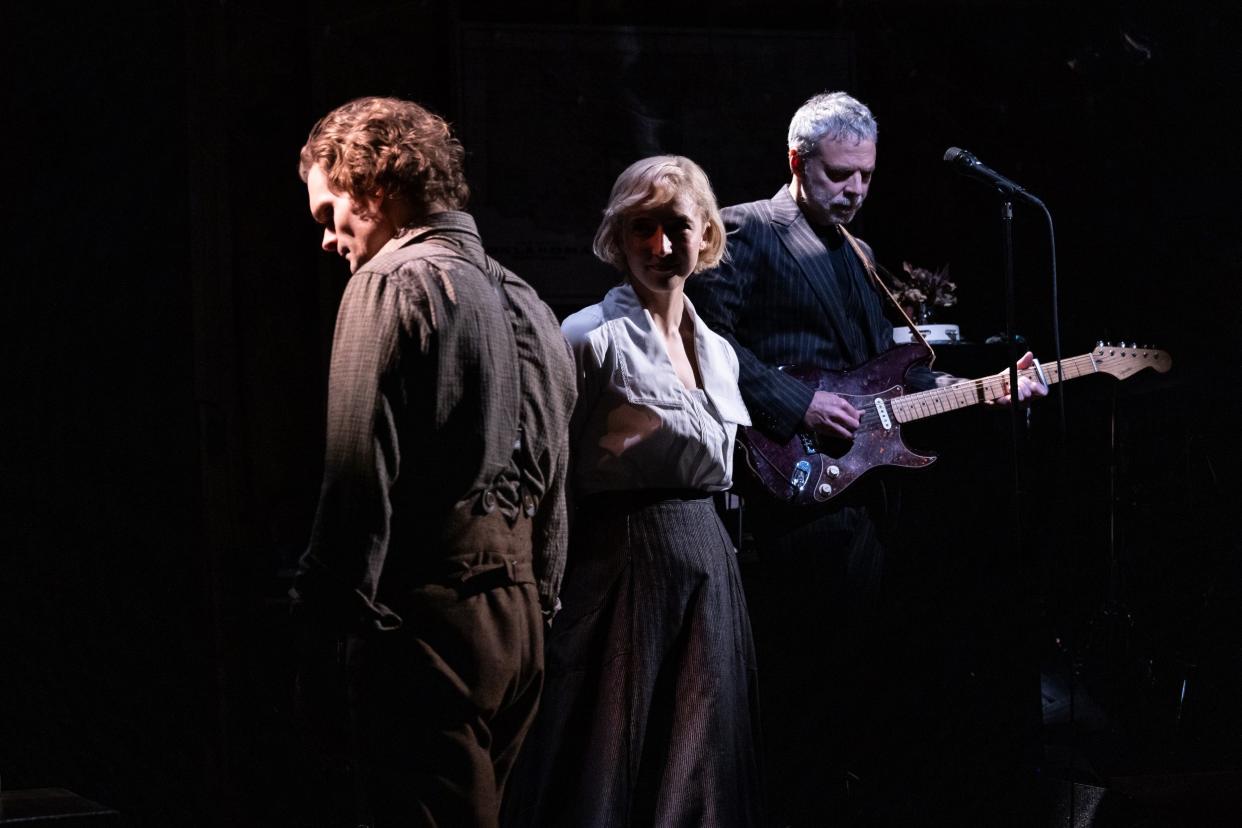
x=920, y=404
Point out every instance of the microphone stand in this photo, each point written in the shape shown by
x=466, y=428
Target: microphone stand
x=1011, y=313
x=1029, y=729
x=1016, y=423
x=967, y=164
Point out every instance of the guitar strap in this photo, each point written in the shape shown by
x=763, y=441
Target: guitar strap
x=883, y=288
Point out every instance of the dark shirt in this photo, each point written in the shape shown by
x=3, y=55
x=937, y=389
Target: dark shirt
x=841, y=262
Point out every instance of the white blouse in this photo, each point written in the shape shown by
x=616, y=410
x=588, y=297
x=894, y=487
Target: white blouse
x=636, y=426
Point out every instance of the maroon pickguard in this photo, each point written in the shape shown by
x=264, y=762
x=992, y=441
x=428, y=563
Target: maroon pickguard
x=833, y=464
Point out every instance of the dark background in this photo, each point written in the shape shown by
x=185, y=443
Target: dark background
x=168, y=316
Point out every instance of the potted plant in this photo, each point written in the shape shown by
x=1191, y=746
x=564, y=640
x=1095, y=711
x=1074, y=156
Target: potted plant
x=919, y=294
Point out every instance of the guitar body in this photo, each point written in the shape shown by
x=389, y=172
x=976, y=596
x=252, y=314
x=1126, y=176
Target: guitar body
x=813, y=468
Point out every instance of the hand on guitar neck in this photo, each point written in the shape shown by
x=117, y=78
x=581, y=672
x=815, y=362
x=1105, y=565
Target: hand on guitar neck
x=831, y=414
x=1028, y=383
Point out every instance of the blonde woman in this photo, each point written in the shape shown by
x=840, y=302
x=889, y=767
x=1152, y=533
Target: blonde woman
x=650, y=709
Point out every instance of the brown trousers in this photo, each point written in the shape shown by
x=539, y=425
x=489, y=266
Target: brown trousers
x=439, y=707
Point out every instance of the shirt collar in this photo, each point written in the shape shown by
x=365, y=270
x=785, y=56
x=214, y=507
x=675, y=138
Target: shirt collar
x=719, y=382
x=453, y=226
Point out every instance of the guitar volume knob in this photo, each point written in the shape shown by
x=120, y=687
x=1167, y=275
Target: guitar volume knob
x=825, y=489
x=834, y=471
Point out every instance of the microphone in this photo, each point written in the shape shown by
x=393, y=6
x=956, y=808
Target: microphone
x=966, y=163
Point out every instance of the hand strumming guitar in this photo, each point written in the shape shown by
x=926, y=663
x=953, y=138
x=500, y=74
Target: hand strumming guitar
x=830, y=414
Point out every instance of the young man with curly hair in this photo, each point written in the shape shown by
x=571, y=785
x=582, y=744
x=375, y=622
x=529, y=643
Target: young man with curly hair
x=439, y=541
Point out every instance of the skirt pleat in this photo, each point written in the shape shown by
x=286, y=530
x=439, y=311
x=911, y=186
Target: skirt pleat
x=650, y=709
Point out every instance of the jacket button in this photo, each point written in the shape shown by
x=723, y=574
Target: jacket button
x=489, y=502
x=528, y=505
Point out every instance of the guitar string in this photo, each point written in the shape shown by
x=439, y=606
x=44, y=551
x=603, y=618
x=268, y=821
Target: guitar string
x=933, y=397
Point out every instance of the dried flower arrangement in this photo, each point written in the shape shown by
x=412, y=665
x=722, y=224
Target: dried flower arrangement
x=922, y=290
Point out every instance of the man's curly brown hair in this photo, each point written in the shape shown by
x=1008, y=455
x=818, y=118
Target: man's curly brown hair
x=392, y=145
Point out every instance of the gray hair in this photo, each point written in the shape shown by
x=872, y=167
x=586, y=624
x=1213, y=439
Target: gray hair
x=832, y=114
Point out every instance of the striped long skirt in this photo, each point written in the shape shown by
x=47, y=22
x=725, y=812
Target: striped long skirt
x=650, y=711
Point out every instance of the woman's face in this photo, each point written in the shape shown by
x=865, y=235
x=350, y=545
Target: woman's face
x=662, y=244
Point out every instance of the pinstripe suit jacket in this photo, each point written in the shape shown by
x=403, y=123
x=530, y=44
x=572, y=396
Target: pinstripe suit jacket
x=778, y=302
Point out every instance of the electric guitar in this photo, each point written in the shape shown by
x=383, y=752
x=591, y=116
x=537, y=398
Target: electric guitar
x=812, y=468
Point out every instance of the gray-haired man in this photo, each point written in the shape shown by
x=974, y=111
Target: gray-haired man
x=794, y=291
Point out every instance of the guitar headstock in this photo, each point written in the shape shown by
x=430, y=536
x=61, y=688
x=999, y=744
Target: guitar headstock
x=1122, y=360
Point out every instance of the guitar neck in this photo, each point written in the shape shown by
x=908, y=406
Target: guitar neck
x=921, y=404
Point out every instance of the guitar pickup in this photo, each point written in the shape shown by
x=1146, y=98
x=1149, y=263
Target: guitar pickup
x=882, y=410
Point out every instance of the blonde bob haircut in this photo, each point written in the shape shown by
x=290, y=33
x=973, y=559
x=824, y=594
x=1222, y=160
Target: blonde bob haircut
x=650, y=184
